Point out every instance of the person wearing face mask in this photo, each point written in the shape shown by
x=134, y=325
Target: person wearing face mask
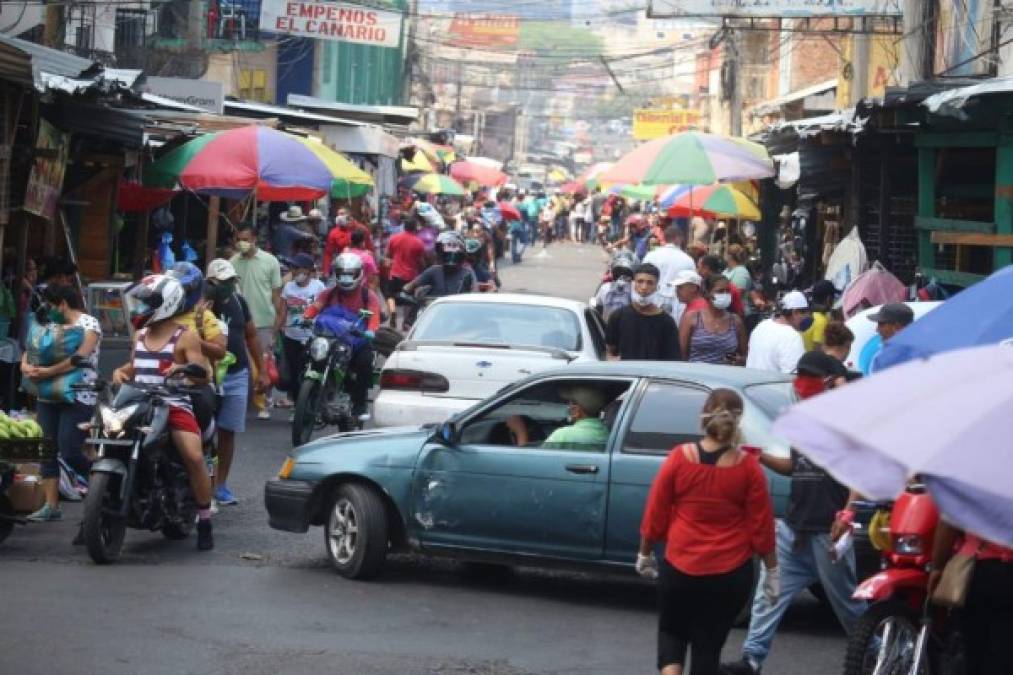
x=643, y=331
x=340, y=237
x=60, y=417
x=818, y=515
x=714, y=334
x=298, y=295
x=243, y=342
x=776, y=343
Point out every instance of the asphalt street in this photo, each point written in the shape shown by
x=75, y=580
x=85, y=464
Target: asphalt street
x=266, y=602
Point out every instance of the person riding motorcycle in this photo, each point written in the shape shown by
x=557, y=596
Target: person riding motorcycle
x=197, y=314
x=351, y=293
x=161, y=347
x=449, y=276
x=614, y=294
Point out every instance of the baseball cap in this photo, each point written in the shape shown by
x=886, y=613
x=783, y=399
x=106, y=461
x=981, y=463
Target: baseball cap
x=893, y=312
x=820, y=364
x=686, y=277
x=221, y=269
x=302, y=261
x=794, y=300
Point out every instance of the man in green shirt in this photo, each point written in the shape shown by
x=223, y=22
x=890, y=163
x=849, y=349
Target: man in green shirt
x=260, y=285
x=586, y=430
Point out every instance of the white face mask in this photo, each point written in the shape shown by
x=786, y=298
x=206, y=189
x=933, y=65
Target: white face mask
x=644, y=300
x=722, y=300
x=622, y=283
x=302, y=278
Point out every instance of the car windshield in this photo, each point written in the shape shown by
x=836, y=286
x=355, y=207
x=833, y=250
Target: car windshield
x=772, y=398
x=500, y=324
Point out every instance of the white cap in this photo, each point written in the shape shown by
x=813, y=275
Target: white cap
x=794, y=300
x=686, y=277
x=221, y=269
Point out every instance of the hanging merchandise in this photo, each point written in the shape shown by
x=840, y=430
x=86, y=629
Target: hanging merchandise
x=189, y=255
x=847, y=261
x=789, y=170
x=876, y=286
x=166, y=256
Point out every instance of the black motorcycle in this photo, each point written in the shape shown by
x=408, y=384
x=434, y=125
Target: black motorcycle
x=138, y=479
x=322, y=399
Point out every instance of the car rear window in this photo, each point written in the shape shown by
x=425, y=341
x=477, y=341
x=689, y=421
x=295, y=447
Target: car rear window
x=772, y=398
x=500, y=323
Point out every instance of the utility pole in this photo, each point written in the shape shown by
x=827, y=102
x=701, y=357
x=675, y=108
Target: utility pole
x=54, y=28
x=860, y=64
x=734, y=81
x=457, y=107
x=917, y=47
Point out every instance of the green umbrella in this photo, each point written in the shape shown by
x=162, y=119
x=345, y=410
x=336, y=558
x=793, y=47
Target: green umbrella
x=437, y=184
x=164, y=173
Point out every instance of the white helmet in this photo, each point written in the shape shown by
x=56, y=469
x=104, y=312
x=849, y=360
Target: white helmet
x=348, y=271
x=155, y=298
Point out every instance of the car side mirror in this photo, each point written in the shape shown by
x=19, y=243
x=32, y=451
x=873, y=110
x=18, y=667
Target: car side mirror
x=449, y=433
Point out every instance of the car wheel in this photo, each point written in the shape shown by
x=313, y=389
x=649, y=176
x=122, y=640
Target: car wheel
x=356, y=532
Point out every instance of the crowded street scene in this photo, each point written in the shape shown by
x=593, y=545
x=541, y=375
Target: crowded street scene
x=439, y=336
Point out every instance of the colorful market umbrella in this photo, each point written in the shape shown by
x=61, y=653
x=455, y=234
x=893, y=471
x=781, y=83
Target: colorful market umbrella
x=509, y=211
x=642, y=193
x=420, y=163
x=471, y=172
x=691, y=157
x=435, y=184
x=443, y=154
x=274, y=165
x=714, y=200
x=589, y=178
x=945, y=419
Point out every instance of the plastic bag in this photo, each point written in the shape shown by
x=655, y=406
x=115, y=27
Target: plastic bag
x=166, y=256
x=271, y=366
x=189, y=255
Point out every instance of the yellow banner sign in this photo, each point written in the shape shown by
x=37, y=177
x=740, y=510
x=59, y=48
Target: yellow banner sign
x=655, y=123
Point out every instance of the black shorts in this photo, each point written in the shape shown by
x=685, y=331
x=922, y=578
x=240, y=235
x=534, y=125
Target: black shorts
x=393, y=286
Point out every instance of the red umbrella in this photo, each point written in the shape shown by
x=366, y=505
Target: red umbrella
x=470, y=172
x=509, y=211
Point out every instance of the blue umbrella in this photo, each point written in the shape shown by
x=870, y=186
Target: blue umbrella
x=979, y=315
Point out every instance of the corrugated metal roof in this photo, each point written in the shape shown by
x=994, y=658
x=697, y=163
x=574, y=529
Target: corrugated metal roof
x=124, y=127
x=766, y=107
x=15, y=65
x=951, y=103
x=381, y=113
x=255, y=109
x=46, y=59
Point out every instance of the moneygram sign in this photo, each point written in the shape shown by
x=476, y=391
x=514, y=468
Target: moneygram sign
x=335, y=21
x=660, y=9
x=648, y=123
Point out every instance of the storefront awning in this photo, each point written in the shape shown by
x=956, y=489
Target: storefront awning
x=774, y=105
x=378, y=114
x=951, y=103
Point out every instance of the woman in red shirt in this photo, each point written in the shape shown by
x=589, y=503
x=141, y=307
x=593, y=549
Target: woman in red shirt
x=710, y=504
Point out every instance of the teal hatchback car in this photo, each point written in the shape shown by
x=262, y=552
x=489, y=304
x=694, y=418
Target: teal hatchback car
x=464, y=488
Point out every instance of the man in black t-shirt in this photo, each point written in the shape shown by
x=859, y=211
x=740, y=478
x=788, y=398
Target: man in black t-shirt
x=642, y=331
x=241, y=335
x=818, y=516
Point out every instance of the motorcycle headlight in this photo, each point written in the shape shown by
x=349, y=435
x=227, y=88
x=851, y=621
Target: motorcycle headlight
x=319, y=348
x=113, y=421
x=907, y=544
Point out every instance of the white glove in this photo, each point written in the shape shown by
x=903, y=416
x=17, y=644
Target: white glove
x=772, y=585
x=647, y=566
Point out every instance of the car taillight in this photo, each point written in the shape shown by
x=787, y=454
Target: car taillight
x=413, y=380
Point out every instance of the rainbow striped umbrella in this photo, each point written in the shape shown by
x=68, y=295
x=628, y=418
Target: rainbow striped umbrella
x=714, y=200
x=434, y=184
x=273, y=165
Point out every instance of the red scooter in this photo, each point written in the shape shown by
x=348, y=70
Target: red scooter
x=892, y=637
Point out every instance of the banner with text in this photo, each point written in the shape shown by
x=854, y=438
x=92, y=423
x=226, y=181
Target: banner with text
x=773, y=8
x=338, y=21
x=654, y=123
x=488, y=30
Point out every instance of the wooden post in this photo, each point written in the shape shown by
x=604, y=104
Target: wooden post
x=214, y=207
x=1003, y=255
x=884, y=209
x=926, y=205
x=141, y=246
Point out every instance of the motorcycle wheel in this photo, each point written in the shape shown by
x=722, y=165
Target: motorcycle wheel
x=883, y=641
x=307, y=405
x=6, y=526
x=103, y=534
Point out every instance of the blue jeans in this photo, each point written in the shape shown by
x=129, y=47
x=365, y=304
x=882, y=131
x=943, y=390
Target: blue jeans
x=59, y=422
x=803, y=562
x=516, y=246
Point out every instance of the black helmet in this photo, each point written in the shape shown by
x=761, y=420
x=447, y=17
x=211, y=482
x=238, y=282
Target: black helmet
x=450, y=248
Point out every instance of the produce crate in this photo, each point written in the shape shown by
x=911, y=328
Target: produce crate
x=17, y=450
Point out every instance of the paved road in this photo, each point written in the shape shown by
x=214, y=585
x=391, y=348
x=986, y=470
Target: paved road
x=265, y=602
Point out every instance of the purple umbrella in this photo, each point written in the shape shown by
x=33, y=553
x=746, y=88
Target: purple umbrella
x=946, y=418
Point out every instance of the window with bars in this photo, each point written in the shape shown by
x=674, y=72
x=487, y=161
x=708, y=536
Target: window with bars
x=131, y=25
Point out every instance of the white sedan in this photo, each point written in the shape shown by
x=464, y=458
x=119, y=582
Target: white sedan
x=464, y=348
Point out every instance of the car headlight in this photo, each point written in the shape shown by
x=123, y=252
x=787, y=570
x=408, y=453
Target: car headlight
x=907, y=544
x=113, y=421
x=319, y=348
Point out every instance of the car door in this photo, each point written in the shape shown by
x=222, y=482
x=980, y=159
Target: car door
x=597, y=331
x=664, y=414
x=483, y=492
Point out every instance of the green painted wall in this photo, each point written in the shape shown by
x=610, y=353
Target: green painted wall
x=361, y=74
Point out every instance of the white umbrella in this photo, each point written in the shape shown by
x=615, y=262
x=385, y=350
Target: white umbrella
x=948, y=418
